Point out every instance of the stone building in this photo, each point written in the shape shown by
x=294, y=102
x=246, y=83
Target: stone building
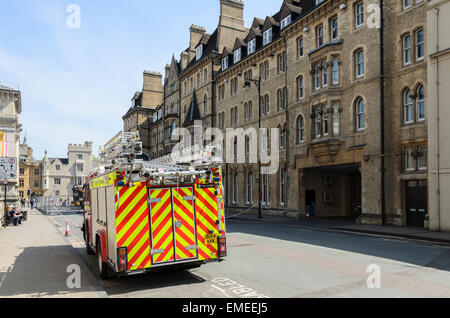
x=438, y=52
x=10, y=128
x=30, y=173
x=345, y=83
x=144, y=103
x=61, y=174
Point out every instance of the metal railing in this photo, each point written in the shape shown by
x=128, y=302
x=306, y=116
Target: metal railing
x=58, y=205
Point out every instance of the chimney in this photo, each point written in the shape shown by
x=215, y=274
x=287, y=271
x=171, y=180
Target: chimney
x=152, y=91
x=231, y=23
x=184, y=60
x=196, y=33
x=167, y=71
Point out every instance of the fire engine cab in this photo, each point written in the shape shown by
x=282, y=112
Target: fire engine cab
x=141, y=215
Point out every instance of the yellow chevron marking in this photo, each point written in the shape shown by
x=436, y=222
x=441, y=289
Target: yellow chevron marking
x=130, y=206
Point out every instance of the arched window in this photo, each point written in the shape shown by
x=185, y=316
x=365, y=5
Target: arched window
x=317, y=80
x=325, y=121
x=359, y=63
x=336, y=129
x=325, y=74
x=408, y=107
x=360, y=114
x=318, y=123
x=420, y=102
x=300, y=129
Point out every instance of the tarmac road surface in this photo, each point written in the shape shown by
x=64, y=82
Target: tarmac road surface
x=274, y=260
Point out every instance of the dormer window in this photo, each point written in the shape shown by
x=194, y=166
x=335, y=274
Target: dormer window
x=224, y=63
x=237, y=56
x=267, y=36
x=251, y=46
x=199, y=52
x=286, y=21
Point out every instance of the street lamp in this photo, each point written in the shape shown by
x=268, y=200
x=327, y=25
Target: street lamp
x=248, y=84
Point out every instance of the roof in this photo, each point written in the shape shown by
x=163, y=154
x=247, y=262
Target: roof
x=296, y=8
x=64, y=161
x=193, y=112
x=6, y=88
x=209, y=46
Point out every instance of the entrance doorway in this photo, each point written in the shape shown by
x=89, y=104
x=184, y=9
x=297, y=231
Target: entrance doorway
x=416, y=202
x=310, y=197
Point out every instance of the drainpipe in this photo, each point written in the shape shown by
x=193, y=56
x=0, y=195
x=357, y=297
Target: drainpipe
x=286, y=174
x=438, y=182
x=382, y=126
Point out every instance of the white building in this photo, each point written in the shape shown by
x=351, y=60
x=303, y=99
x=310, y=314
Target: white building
x=10, y=128
x=61, y=174
x=438, y=25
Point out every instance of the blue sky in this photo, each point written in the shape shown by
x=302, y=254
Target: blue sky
x=76, y=84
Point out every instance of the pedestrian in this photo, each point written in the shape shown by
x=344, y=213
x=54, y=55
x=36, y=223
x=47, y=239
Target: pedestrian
x=32, y=203
x=16, y=216
x=311, y=209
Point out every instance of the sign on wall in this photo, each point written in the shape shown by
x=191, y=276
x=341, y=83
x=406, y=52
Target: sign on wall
x=8, y=168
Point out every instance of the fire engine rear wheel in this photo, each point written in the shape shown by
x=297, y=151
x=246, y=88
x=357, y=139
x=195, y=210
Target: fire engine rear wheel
x=89, y=250
x=103, y=269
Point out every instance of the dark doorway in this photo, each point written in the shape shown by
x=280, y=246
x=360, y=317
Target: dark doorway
x=416, y=202
x=310, y=197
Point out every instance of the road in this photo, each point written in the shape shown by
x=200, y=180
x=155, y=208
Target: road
x=281, y=261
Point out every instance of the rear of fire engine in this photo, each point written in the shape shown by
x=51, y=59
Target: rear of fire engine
x=142, y=216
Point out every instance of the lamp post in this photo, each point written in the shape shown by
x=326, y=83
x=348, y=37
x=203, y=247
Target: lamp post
x=248, y=84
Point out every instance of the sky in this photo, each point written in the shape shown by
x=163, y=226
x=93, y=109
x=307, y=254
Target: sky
x=77, y=76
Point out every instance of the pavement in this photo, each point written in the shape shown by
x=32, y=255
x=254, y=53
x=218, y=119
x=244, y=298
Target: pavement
x=36, y=260
x=349, y=225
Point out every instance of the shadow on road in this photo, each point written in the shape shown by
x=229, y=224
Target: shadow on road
x=42, y=271
x=151, y=281
x=416, y=253
x=142, y=282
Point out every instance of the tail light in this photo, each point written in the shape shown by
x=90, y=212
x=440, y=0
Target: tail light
x=122, y=259
x=222, y=246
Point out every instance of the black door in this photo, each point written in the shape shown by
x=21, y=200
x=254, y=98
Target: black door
x=416, y=202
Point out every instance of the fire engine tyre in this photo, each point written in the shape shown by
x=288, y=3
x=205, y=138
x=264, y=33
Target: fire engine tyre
x=89, y=250
x=103, y=268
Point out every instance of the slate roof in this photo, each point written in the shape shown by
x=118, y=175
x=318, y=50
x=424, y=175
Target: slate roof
x=209, y=46
x=193, y=112
x=64, y=161
x=296, y=8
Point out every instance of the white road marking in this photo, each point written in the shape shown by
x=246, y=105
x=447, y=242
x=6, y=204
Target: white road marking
x=238, y=290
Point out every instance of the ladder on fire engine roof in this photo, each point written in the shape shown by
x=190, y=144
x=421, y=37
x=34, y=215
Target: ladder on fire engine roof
x=194, y=156
x=121, y=153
